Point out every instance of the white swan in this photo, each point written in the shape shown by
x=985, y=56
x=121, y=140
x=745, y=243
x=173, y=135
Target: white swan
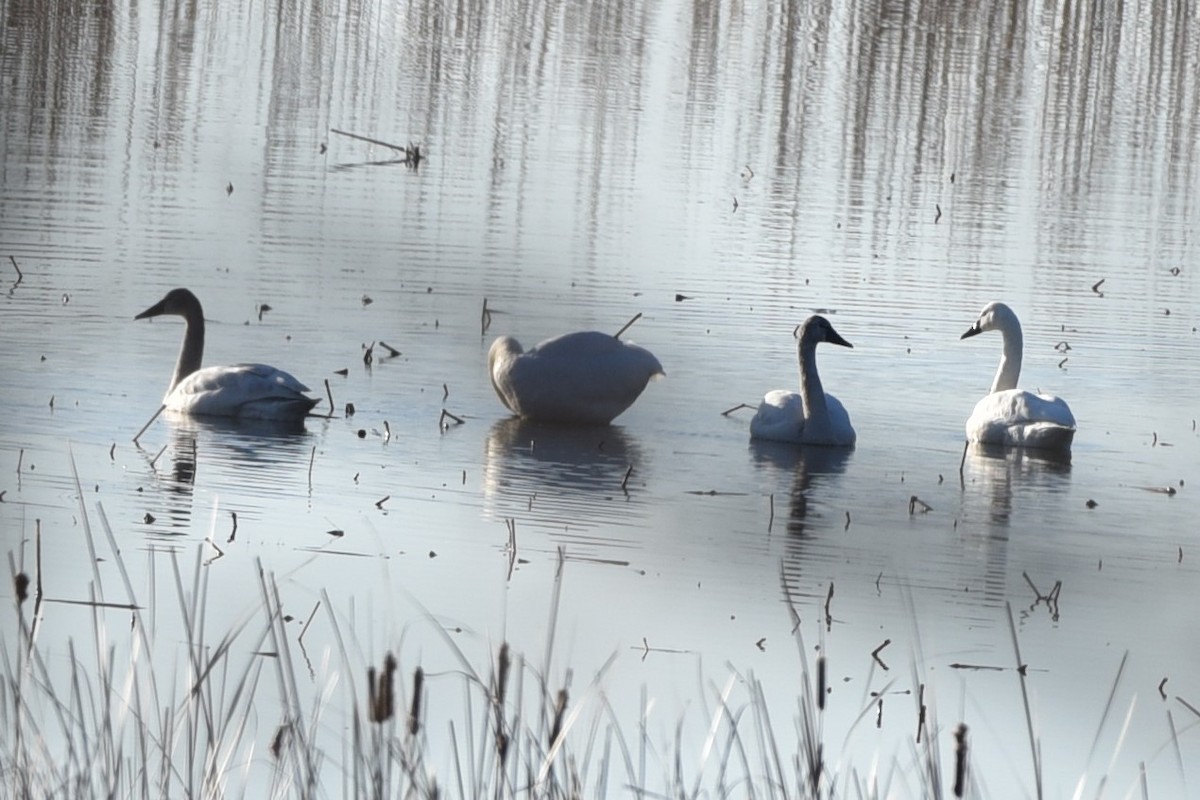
x=242, y=390
x=587, y=377
x=1008, y=415
x=812, y=416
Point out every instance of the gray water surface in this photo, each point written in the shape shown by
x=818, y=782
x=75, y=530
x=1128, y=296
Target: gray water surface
x=722, y=170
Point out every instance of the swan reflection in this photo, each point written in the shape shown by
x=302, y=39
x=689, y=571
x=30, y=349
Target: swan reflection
x=1005, y=472
x=530, y=466
x=250, y=458
x=811, y=468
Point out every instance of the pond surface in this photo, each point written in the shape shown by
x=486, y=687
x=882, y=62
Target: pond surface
x=724, y=171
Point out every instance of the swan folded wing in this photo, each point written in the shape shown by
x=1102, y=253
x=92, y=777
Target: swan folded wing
x=241, y=390
x=780, y=417
x=1021, y=418
x=587, y=377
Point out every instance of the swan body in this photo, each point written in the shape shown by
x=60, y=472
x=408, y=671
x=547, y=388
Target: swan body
x=254, y=391
x=586, y=377
x=1008, y=415
x=812, y=416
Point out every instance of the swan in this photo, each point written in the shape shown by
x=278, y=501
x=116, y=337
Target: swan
x=586, y=377
x=253, y=391
x=1008, y=415
x=812, y=416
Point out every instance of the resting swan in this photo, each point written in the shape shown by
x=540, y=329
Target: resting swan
x=1008, y=415
x=586, y=377
x=811, y=417
x=242, y=390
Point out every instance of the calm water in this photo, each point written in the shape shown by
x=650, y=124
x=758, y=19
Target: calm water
x=722, y=170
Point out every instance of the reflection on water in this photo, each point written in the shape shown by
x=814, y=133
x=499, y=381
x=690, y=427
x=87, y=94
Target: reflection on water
x=999, y=474
x=561, y=473
x=811, y=467
x=225, y=456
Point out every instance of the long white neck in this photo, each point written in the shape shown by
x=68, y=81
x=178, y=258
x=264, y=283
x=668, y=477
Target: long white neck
x=1009, y=370
x=192, y=351
x=816, y=411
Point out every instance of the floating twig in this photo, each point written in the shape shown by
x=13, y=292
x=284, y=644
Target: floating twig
x=847, y=525
x=625, y=480
x=20, y=275
x=938, y=217
x=329, y=394
x=387, y=432
x=627, y=325
x=214, y=546
x=917, y=504
x=445, y=392
x=960, y=760
x=147, y=425
x=485, y=318
x=410, y=152
x=233, y=532
x=1096, y=287
x=446, y=414
x=738, y=407
x=308, y=622
x=262, y=309
x=392, y=352
x=828, y=600
x=368, y=354
x=875, y=653
x=312, y=456
x=379, y=503
x=771, y=505
x=156, y=457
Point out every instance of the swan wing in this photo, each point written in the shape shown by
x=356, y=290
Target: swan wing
x=840, y=432
x=1024, y=419
x=780, y=418
x=242, y=390
x=587, y=377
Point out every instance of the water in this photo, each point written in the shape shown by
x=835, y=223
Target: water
x=722, y=171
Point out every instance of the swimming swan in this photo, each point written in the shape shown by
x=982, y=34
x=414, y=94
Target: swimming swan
x=811, y=417
x=243, y=390
x=1008, y=415
x=586, y=377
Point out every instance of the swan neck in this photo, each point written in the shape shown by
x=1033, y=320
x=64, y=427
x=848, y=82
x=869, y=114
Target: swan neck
x=192, y=351
x=811, y=391
x=1009, y=371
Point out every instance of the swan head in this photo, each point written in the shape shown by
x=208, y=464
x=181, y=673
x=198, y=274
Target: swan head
x=177, y=302
x=996, y=316
x=817, y=329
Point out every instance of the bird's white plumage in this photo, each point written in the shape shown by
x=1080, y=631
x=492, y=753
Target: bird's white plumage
x=1008, y=415
x=256, y=391
x=810, y=416
x=586, y=377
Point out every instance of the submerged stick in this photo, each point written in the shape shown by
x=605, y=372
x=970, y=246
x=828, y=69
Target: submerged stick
x=329, y=394
x=485, y=318
x=627, y=325
x=738, y=407
x=147, y=425
x=311, y=457
x=20, y=275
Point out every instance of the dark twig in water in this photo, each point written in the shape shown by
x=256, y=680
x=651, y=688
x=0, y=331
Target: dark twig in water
x=828, y=600
x=738, y=407
x=1096, y=287
x=410, y=152
x=233, y=532
x=312, y=456
x=625, y=480
x=962, y=465
x=875, y=654
x=445, y=392
x=369, y=354
x=154, y=460
x=213, y=545
x=627, y=325
x=960, y=760
x=392, y=352
x=485, y=318
x=917, y=504
x=329, y=394
x=20, y=275
x=938, y=217
x=1035, y=751
x=379, y=503
x=771, y=518
x=308, y=622
x=1161, y=692
x=442, y=424
x=147, y=425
